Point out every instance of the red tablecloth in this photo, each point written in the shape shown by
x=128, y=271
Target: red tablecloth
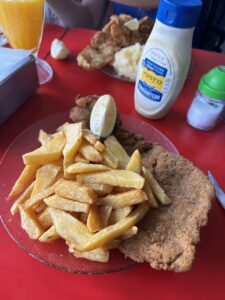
x=50, y=33
x=22, y=277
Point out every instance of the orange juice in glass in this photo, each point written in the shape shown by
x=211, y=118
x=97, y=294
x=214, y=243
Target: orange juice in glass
x=22, y=22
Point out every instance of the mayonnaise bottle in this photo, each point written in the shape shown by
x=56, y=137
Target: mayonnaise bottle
x=166, y=57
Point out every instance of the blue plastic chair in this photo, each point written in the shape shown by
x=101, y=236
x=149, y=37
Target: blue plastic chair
x=133, y=11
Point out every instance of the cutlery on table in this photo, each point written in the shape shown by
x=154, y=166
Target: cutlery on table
x=219, y=192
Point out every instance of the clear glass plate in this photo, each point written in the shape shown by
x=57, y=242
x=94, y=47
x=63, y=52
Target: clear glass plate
x=110, y=71
x=55, y=254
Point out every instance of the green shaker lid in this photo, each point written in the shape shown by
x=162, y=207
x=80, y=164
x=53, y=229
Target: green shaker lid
x=212, y=84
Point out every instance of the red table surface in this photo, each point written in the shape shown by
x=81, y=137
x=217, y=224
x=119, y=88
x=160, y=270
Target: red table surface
x=22, y=277
x=50, y=33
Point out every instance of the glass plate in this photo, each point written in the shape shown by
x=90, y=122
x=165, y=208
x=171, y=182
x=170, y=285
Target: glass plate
x=56, y=254
x=110, y=71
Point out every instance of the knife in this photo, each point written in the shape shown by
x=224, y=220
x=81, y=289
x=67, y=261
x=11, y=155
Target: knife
x=219, y=192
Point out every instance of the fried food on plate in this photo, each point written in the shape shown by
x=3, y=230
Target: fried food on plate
x=74, y=200
x=113, y=231
x=120, y=178
x=29, y=223
x=113, y=37
x=26, y=177
x=124, y=199
x=103, y=200
x=50, y=235
x=167, y=236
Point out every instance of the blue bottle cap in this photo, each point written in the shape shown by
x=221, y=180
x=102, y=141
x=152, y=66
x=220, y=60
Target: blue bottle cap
x=179, y=13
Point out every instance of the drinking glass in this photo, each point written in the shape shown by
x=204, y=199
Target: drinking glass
x=22, y=22
x=3, y=39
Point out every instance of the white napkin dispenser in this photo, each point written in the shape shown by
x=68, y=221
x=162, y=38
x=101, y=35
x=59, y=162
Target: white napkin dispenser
x=17, y=86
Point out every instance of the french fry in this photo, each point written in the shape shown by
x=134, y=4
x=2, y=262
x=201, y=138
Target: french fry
x=111, y=232
x=156, y=188
x=100, y=254
x=119, y=214
x=29, y=223
x=44, y=137
x=75, y=232
x=66, y=174
x=50, y=235
x=62, y=127
x=105, y=212
x=47, y=153
x=86, y=168
x=151, y=198
x=73, y=133
x=58, y=162
x=121, y=178
x=22, y=198
x=75, y=191
x=94, y=222
x=99, y=146
x=66, y=204
x=93, y=140
x=68, y=227
x=109, y=159
x=118, y=151
x=45, y=176
x=101, y=189
x=79, y=158
x=90, y=153
x=26, y=177
x=120, y=200
x=131, y=232
x=37, y=198
x=135, y=163
x=45, y=219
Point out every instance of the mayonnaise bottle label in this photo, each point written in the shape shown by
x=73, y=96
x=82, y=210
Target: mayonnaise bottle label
x=156, y=75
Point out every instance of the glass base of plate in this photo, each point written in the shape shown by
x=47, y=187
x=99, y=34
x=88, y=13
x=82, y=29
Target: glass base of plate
x=110, y=71
x=45, y=72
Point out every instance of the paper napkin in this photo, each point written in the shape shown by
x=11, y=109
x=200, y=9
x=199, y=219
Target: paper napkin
x=10, y=59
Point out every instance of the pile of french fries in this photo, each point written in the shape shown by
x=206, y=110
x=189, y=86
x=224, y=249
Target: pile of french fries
x=88, y=192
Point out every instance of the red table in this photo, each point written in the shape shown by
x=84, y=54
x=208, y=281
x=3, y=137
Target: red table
x=50, y=33
x=22, y=277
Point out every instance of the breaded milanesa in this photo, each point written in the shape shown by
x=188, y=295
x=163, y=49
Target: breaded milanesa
x=113, y=37
x=167, y=236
